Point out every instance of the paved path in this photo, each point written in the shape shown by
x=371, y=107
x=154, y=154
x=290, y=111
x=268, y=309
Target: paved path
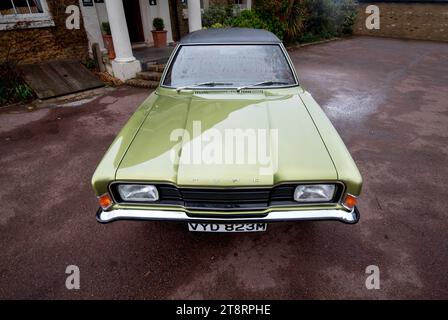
x=388, y=98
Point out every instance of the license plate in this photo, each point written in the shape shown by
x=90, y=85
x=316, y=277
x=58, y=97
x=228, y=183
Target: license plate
x=217, y=227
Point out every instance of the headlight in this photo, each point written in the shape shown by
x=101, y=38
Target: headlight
x=138, y=192
x=314, y=193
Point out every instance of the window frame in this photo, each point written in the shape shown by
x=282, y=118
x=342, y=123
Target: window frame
x=27, y=20
x=242, y=4
x=282, y=48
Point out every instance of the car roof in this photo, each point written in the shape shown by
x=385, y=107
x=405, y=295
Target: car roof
x=230, y=35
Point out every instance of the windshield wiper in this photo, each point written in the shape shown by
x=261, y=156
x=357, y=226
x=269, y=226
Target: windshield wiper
x=266, y=83
x=208, y=84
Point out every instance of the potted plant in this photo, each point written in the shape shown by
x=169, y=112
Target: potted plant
x=158, y=34
x=108, y=42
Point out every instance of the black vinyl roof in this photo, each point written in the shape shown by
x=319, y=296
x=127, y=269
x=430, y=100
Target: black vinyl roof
x=230, y=35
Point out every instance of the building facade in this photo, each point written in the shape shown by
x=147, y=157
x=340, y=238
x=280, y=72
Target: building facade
x=33, y=31
x=131, y=24
x=406, y=19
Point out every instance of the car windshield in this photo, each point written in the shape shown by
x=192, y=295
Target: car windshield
x=229, y=66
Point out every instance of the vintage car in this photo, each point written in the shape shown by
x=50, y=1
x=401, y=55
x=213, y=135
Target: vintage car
x=228, y=142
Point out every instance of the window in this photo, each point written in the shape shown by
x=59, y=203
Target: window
x=13, y=7
x=232, y=65
x=24, y=14
x=243, y=4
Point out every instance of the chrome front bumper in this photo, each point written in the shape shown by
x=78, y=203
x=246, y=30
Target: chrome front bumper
x=350, y=217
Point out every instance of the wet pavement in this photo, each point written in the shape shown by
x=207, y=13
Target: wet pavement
x=387, y=98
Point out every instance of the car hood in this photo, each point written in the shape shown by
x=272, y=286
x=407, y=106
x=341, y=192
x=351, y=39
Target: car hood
x=288, y=145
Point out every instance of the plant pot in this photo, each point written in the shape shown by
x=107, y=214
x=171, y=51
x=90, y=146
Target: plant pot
x=159, y=38
x=109, y=44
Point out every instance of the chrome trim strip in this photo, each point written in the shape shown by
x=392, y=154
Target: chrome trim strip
x=167, y=65
x=350, y=217
x=291, y=64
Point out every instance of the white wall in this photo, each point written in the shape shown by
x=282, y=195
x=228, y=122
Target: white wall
x=92, y=26
x=101, y=12
x=165, y=14
x=148, y=12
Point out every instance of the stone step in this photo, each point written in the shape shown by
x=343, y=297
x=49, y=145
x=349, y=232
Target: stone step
x=155, y=76
x=141, y=83
x=155, y=67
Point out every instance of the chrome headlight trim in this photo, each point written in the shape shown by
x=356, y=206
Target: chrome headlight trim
x=138, y=192
x=315, y=193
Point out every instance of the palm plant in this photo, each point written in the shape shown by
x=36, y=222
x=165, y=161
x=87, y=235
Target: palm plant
x=292, y=14
x=295, y=15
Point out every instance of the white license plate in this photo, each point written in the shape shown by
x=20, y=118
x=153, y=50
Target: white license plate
x=217, y=227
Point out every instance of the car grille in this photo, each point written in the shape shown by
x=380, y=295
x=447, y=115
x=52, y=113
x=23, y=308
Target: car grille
x=230, y=199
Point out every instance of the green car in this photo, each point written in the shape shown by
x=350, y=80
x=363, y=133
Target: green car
x=228, y=142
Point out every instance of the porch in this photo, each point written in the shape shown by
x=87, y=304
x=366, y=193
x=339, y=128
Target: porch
x=152, y=61
x=130, y=26
x=149, y=55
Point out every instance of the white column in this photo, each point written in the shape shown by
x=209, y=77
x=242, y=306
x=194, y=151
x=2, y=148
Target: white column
x=124, y=66
x=119, y=29
x=194, y=15
x=248, y=4
x=92, y=26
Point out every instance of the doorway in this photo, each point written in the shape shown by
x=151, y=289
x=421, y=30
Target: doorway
x=134, y=20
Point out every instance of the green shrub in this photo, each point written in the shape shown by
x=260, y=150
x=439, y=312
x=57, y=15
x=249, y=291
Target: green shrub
x=256, y=19
x=247, y=19
x=319, y=21
x=232, y=16
x=272, y=23
x=158, y=24
x=106, y=28
x=214, y=15
x=311, y=20
x=349, y=10
x=89, y=63
x=12, y=87
x=217, y=25
x=289, y=13
x=290, y=20
x=328, y=18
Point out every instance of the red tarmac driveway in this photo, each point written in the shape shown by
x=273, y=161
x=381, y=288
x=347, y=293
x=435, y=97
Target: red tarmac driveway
x=388, y=99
